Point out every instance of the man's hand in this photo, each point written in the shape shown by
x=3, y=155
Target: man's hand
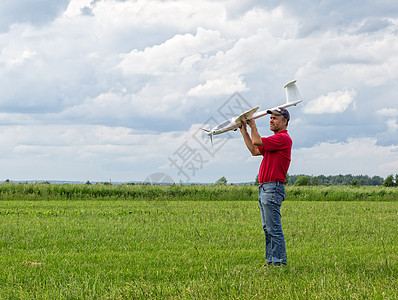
x=252, y=124
x=246, y=137
x=243, y=127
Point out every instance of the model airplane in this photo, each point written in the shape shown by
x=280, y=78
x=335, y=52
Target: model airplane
x=293, y=98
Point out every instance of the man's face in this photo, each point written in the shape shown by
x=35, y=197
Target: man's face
x=276, y=123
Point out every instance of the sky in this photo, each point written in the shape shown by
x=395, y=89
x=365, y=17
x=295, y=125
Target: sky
x=119, y=90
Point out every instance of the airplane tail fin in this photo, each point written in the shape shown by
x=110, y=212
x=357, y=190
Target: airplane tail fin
x=292, y=93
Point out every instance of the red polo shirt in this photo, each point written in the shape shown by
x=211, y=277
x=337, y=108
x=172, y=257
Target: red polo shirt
x=276, y=151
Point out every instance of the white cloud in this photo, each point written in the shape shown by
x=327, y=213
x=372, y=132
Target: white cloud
x=14, y=57
x=390, y=115
x=334, y=102
x=79, y=152
x=215, y=87
x=162, y=65
x=392, y=125
x=388, y=112
x=75, y=7
x=354, y=156
x=179, y=51
x=194, y=65
x=350, y=59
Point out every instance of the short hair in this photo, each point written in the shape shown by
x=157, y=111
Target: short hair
x=287, y=120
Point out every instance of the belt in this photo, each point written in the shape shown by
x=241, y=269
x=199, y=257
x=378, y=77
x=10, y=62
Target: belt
x=271, y=182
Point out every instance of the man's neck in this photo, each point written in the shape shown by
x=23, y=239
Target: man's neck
x=275, y=132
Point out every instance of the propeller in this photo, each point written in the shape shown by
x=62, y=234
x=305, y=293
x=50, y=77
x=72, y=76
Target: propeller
x=209, y=134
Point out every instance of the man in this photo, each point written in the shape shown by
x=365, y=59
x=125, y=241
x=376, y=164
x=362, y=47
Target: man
x=276, y=152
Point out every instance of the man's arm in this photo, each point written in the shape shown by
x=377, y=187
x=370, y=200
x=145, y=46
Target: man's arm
x=256, y=138
x=248, y=140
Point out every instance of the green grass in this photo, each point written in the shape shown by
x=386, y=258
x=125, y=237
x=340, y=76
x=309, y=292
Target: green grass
x=36, y=191
x=115, y=248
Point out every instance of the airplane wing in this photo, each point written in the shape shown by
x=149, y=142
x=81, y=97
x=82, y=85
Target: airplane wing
x=246, y=115
x=264, y=112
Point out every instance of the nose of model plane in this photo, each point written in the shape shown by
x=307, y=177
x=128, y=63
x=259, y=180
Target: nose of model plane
x=210, y=134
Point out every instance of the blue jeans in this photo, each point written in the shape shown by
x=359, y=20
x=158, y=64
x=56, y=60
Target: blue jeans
x=271, y=196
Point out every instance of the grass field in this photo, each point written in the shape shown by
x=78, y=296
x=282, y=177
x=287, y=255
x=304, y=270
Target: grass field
x=83, y=245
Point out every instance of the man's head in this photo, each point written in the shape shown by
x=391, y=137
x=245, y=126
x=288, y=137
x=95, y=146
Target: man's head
x=279, y=119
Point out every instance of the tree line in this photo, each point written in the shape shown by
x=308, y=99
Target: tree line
x=349, y=179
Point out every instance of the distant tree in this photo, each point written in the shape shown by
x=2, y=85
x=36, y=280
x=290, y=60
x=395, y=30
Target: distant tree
x=376, y=180
x=222, y=180
x=88, y=182
x=292, y=179
x=256, y=181
x=365, y=180
x=322, y=180
x=347, y=179
x=287, y=178
x=302, y=180
x=389, y=181
x=7, y=181
x=396, y=179
x=314, y=181
x=355, y=182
